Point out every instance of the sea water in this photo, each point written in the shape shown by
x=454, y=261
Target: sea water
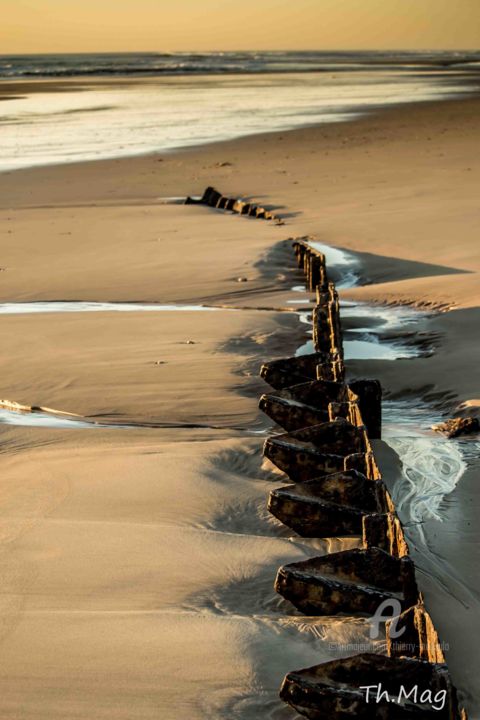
x=121, y=105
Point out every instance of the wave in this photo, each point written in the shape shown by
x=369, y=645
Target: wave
x=151, y=64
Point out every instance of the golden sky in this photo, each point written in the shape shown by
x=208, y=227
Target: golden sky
x=28, y=26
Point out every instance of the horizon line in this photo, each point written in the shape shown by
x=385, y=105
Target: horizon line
x=259, y=50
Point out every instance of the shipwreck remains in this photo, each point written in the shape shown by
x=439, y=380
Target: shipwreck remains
x=215, y=199
x=337, y=490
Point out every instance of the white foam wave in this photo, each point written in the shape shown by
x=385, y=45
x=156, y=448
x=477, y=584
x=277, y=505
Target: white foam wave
x=431, y=471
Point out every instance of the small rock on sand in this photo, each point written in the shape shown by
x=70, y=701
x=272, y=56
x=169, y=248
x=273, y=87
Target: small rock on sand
x=458, y=426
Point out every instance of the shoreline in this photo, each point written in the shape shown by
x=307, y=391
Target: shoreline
x=313, y=114
x=368, y=115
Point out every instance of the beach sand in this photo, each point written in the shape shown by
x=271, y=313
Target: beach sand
x=138, y=562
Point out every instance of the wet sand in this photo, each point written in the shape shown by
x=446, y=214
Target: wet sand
x=138, y=563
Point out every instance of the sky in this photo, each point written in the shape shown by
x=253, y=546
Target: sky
x=48, y=26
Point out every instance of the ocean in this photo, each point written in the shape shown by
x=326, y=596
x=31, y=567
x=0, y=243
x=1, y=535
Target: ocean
x=115, y=105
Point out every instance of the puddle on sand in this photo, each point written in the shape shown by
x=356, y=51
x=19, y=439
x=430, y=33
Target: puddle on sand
x=174, y=200
x=342, y=265
x=46, y=420
x=306, y=299
x=368, y=348
x=369, y=344
x=386, y=317
x=81, y=306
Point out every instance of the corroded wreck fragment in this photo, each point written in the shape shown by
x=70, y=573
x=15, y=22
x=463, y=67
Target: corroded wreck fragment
x=327, y=368
x=327, y=333
x=332, y=505
x=333, y=690
x=318, y=393
x=213, y=198
x=320, y=449
x=304, y=404
x=222, y=203
x=337, y=436
x=238, y=207
x=369, y=393
x=414, y=635
x=313, y=264
x=458, y=426
x=351, y=582
x=385, y=531
x=348, y=410
x=291, y=414
x=364, y=463
x=316, y=401
x=301, y=461
x=293, y=370
x=332, y=370
x=326, y=295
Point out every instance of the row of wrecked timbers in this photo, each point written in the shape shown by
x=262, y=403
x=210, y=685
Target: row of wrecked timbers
x=213, y=198
x=337, y=490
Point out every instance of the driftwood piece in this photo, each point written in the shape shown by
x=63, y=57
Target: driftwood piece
x=333, y=690
x=352, y=582
x=458, y=426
